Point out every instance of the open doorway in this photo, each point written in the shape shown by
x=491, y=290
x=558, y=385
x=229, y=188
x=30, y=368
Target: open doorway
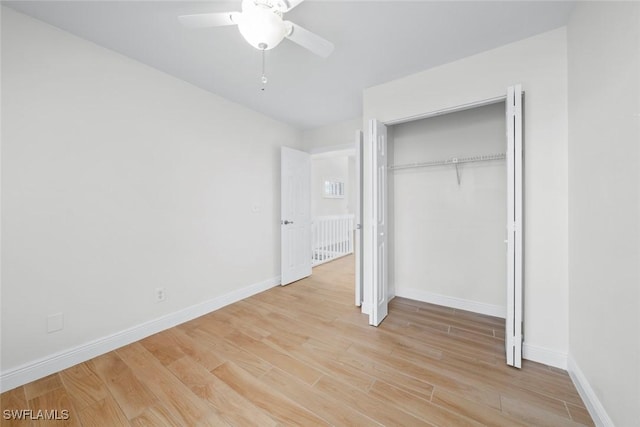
x=333, y=200
x=323, y=190
x=335, y=211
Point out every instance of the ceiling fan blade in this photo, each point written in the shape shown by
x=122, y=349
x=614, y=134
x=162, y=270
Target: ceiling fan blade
x=290, y=4
x=309, y=40
x=204, y=20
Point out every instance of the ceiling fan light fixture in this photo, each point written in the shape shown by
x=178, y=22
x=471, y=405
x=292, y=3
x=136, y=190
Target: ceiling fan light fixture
x=261, y=27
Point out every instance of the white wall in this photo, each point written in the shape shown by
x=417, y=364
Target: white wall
x=604, y=207
x=333, y=136
x=539, y=63
x=117, y=179
x=352, y=196
x=447, y=243
x=332, y=168
x=337, y=141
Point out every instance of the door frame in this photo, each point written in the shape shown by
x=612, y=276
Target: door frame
x=517, y=281
x=358, y=240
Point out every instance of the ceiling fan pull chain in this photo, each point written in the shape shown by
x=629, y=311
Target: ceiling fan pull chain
x=264, y=78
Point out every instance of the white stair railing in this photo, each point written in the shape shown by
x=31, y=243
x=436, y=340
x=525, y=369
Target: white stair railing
x=331, y=238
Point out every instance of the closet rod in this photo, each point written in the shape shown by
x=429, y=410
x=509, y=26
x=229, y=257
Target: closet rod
x=452, y=161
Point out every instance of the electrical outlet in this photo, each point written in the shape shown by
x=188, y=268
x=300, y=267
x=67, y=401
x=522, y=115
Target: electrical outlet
x=161, y=294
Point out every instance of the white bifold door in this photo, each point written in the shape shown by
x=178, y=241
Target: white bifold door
x=295, y=211
x=513, y=330
x=378, y=141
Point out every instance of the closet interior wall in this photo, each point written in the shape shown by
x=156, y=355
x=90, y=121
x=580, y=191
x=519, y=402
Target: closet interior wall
x=447, y=238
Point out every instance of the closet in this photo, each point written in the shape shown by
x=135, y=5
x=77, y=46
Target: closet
x=439, y=215
x=447, y=209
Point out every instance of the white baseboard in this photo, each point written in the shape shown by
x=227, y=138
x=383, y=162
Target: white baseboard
x=588, y=395
x=544, y=355
x=453, y=302
x=56, y=362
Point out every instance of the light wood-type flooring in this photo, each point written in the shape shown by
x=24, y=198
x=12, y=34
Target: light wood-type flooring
x=304, y=355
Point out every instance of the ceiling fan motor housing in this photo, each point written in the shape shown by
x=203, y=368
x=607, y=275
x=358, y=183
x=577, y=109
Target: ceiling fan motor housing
x=261, y=25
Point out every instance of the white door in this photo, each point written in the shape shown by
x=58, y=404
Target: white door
x=295, y=211
x=358, y=217
x=378, y=141
x=513, y=337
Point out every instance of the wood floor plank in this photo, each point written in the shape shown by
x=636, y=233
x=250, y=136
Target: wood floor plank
x=388, y=374
x=14, y=401
x=580, y=415
x=337, y=369
x=276, y=358
x=244, y=321
x=440, y=340
x=108, y=365
x=84, y=387
x=155, y=416
x=42, y=386
x=483, y=414
x=162, y=347
x=280, y=406
x=192, y=348
x=419, y=407
x=133, y=397
x=380, y=410
x=103, y=413
x=175, y=395
x=227, y=351
x=286, y=340
x=56, y=400
x=326, y=407
x=429, y=319
x=532, y=415
x=323, y=333
x=435, y=376
x=419, y=304
x=233, y=407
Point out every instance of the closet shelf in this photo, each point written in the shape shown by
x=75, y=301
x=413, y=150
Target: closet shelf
x=452, y=161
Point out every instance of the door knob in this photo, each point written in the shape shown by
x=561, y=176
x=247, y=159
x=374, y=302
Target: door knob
x=285, y=222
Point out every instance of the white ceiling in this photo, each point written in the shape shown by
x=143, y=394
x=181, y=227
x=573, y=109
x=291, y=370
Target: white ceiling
x=375, y=41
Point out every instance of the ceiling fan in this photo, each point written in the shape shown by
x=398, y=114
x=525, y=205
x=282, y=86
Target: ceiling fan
x=262, y=25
